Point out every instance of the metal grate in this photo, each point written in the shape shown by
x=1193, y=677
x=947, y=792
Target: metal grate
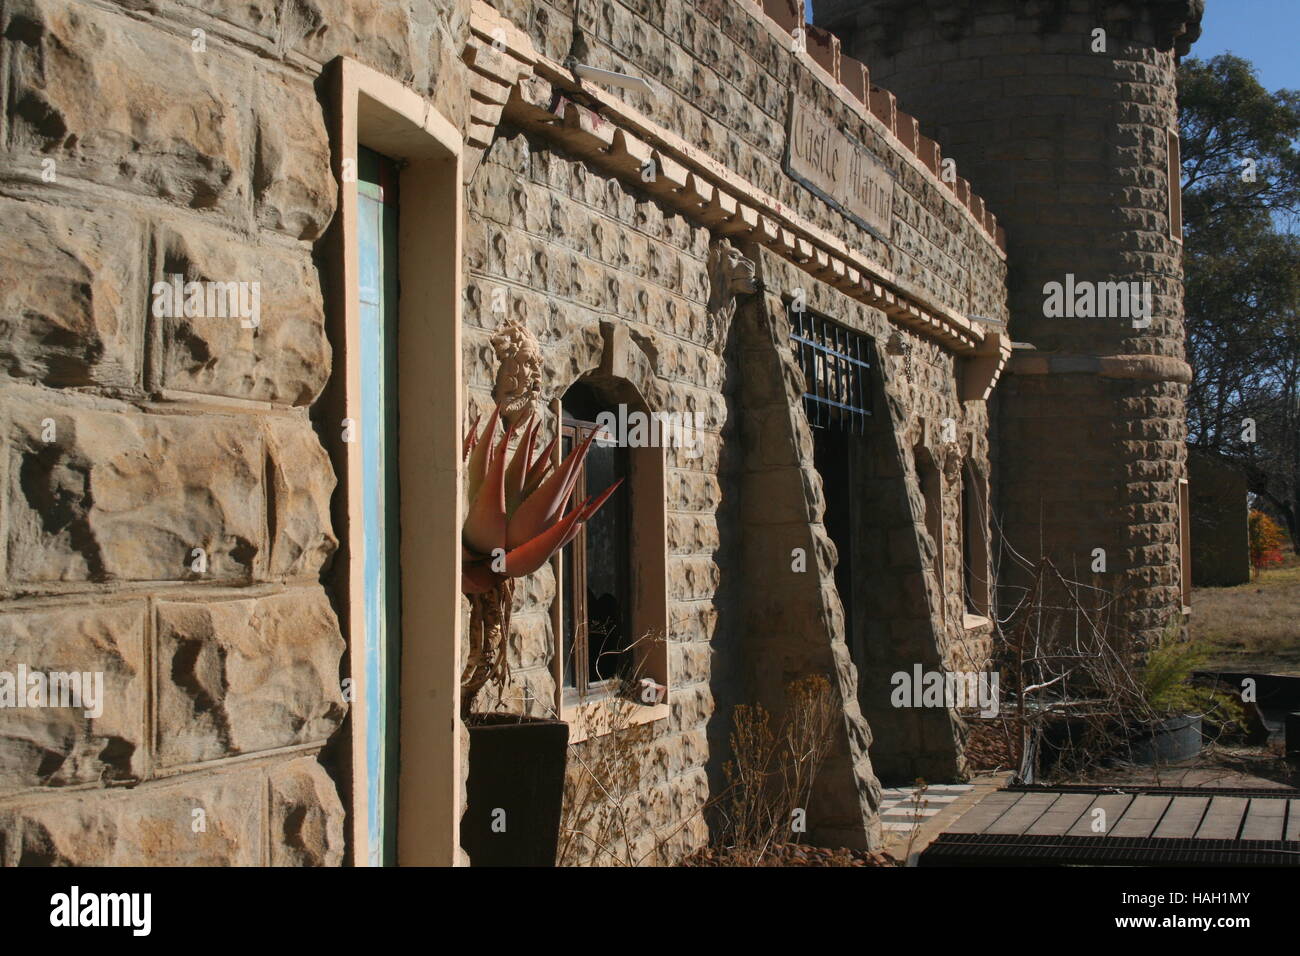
x=836, y=365
x=991, y=849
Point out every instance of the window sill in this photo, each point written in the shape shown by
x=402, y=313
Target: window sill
x=596, y=716
x=973, y=622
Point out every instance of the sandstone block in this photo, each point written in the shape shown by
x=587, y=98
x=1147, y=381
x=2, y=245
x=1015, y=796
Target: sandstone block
x=116, y=494
x=215, y=821
x=306, y=816
x=244, y=676
x=130, y=106
x=55, y=746
x=300, y=482
x=293, y=187
x=285, y=358
x=70, y=301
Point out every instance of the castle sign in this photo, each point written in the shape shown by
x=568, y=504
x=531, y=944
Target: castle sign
x=838, y=169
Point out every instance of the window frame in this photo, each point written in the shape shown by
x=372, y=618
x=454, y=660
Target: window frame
x=1173, y=155
x=646, y=484
x=583, y=688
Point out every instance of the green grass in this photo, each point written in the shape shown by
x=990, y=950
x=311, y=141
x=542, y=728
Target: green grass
x=1255, y=626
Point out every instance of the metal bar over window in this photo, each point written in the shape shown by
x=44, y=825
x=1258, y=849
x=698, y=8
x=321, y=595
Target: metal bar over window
x=836, y=365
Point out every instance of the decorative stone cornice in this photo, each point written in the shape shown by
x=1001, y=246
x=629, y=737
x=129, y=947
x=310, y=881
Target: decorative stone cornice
x=499, y=53
x=614, y=136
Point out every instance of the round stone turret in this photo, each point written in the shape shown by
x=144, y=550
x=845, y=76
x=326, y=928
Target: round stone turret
x=1063, y=116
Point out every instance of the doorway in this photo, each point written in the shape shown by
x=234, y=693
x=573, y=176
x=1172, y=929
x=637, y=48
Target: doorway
x=377, y=208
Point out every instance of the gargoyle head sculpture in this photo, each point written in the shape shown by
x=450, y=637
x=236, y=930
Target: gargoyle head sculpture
x=519, y=371
x=730, y=274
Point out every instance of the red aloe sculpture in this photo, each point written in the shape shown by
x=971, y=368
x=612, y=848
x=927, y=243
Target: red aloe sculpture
x=516, y=521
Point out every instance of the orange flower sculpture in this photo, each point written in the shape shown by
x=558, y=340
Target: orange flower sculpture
x=515, y=522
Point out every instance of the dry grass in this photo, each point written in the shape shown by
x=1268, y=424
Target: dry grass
x=1252, y=627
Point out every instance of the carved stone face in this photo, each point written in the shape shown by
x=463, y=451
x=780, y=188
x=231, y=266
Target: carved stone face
x=730, y=274
x=738, y=270
x=519, y=376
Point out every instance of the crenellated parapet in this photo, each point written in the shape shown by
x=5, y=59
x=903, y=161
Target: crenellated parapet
x=889, y=24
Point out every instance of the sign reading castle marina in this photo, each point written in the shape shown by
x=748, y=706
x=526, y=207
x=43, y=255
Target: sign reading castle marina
x=838, y=169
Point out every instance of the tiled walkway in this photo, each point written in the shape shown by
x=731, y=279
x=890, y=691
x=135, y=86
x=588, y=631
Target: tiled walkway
x=901, y=808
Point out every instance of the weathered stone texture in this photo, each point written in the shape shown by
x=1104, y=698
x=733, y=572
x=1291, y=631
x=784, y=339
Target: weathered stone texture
x=56, y=746
x=306, y=816
x=70, y=300
x=1070, y=147
x=129, y=106
x=293, y=189
x=285, y=359
x=215, y=821
x=300, y=481
x=116, y=495
x=239, y=677
x=142, y=142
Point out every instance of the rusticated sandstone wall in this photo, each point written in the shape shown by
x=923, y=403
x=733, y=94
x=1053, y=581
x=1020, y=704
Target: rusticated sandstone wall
x=572, y=245
x=1070, y=145
x=134, y=439
x=141, y=140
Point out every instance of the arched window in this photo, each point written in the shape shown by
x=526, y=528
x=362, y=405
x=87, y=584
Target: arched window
x=975, y=540
x=597, y=576
x=931, y=479
x=610, y=615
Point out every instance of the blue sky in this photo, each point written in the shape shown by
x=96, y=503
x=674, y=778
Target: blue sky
x=1265, y=32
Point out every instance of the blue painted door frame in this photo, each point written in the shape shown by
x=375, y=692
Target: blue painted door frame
x=377, y=242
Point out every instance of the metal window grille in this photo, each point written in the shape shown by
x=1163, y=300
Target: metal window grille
x=836, y=365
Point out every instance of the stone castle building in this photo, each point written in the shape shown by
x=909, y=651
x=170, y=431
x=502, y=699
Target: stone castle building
x=262, y=264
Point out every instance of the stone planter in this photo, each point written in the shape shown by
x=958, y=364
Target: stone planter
x=515, y=790
x=1172, y=740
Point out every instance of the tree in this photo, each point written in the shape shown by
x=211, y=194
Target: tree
x=1241, y=195
x=1238, y=143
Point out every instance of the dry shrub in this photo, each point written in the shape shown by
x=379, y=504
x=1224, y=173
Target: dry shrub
x=609, y=815
x=771, y=774
x=601, y=819
x=1081, y=692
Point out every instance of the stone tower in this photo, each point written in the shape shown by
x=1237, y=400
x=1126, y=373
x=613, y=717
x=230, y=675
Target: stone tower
x=1062, y=115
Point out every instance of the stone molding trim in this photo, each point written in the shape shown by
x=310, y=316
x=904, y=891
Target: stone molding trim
x=621, y=140
x=497, y=58
x=983, y=369
x=1146, y=368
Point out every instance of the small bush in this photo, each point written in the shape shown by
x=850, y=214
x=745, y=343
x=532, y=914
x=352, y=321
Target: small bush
x=1265, y=541
x=1166, y=681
